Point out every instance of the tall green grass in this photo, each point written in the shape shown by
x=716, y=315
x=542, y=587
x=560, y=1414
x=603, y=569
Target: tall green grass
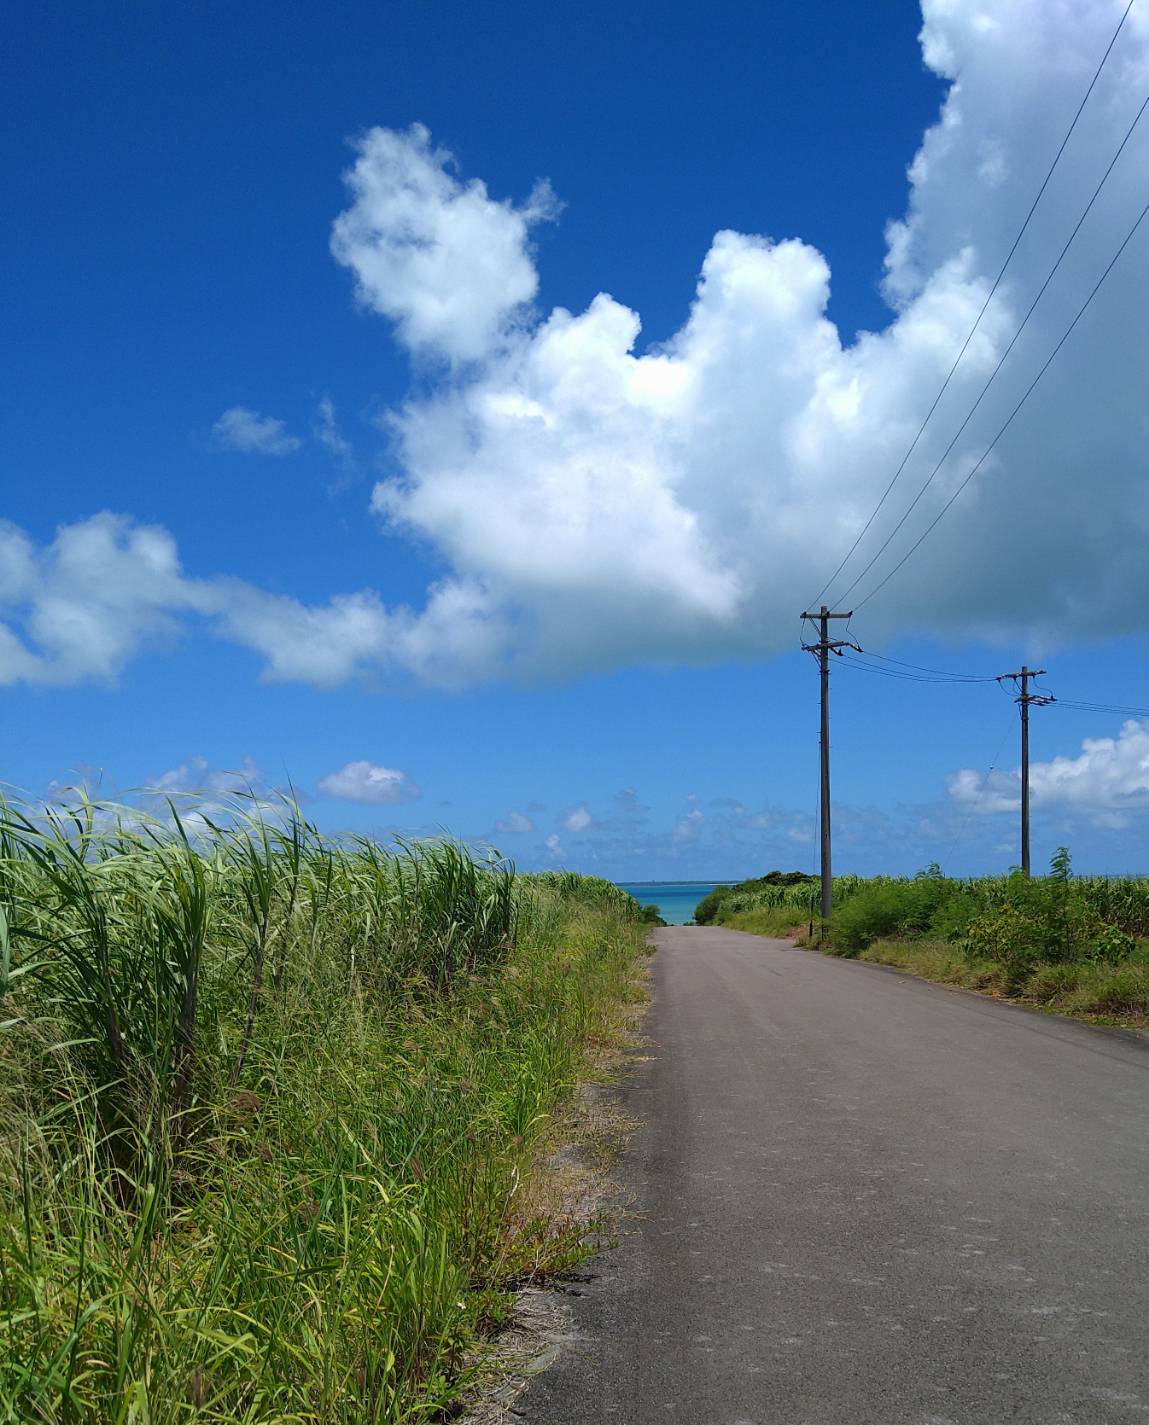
x=267, y=1105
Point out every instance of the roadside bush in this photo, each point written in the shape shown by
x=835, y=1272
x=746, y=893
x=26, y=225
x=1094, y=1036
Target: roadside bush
x=708, y=907
x=894, y=907
x=1047, y=920
x=880, y=911
x=1110, y=944
x=1012, y=937
x=955, y=914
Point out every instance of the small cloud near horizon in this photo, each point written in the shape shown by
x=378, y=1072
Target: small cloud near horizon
x=370, y=784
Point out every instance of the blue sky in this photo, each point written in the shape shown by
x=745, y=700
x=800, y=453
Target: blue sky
x=387, y=526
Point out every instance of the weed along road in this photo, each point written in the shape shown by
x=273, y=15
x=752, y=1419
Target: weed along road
x=857, y=1197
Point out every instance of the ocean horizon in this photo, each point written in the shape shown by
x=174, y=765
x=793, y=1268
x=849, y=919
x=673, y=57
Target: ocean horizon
x=675, y=900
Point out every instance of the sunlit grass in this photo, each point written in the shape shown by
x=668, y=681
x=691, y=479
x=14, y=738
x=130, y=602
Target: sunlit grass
x=267, y=1103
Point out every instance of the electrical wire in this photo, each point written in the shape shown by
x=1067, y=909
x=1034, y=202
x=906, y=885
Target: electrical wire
x=945, y=672
x=977, y=322
x=903, y=676
x=1002, y=360
x=1071, y=705
x=1010, y=418
x=912, y=673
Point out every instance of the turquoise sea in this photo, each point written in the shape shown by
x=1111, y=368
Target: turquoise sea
x=675, y=899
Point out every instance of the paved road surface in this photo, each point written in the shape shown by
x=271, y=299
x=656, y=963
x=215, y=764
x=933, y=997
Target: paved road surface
x=862, y=1198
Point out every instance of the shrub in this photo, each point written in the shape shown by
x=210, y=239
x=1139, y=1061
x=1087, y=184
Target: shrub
x=880, y=911
x=892, y=907
x=1012, y=936
x=708, y=907
x=1110, y=944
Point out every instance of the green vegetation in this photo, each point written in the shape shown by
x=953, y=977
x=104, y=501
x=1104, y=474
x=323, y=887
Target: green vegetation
x=1076, y=944
x=771, y=904
x=268, y=1109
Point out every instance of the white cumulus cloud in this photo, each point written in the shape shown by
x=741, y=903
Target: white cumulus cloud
x=597, y=502
x=515, y=823
x=370, y=783
x=242, y=429
x=1107, y=780
x=82, y=606
x=610, y=503
x=438, y=256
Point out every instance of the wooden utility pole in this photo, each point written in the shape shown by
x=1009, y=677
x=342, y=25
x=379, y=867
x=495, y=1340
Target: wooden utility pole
x=824, y=647
x=1024, y=699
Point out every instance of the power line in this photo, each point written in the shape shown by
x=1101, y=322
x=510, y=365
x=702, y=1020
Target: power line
x=900, y=677
x=977, y=322
x=943, y=672
x=1010, y=418
x=1004, y=356
x=915, y=673
x=1071, y=705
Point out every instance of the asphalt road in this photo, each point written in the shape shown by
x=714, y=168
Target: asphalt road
x=857, y=1197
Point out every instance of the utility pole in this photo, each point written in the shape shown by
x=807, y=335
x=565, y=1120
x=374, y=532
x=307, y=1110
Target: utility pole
x=1024, y=699
x=824, y=647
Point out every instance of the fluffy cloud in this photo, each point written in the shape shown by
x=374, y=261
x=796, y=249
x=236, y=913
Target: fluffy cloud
x=367, y=782
x=324, y=644
x=82, y=606
x=1109, y=780
x=447, y=264
x=79, y=607
x=515, y=823
x=597, y=503
x=246, y=430
x=614, y=503
x=989, y=793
